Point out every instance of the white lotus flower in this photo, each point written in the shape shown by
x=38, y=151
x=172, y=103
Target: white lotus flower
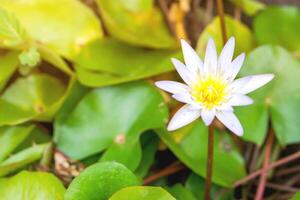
x=210, y=90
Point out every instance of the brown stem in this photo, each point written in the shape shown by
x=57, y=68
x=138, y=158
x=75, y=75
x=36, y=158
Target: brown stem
x=209, y=164
x=263, y=177
x=220, y=9
x=164, y=8
x=171, y=169
x=280, y=162
x=209, y=11
x=282, y=187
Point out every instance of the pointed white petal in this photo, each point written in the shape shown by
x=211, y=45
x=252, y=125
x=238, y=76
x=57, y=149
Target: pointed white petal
x=172, y=86
x=235, y=67
x=240, y=100
x=207, y=116
x=187, y=76
x=183, y=97
x=183, y=116
x=237, y=84
x=225, y=107
x=247, y=84
x=226, y=55
x=231, y=122
x=211, y=59
x=191, y=58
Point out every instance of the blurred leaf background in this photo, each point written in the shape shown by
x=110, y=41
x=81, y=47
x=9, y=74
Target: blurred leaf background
x=80, y=118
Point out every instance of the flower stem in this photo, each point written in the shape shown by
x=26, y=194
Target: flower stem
x=209, y=164
x=220, y=9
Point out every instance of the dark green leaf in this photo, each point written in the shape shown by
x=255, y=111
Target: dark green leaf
x=149, y=146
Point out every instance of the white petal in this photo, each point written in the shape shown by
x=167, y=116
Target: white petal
x=249, y=83
x=237, y=84
x=211, y=59
x=172, y=86
x=183, y=97
x=235, y=67
x=207, y=116
x=226, y=55
x=231, y=122
x=183, y=116
x=240, y=100
x=191, y=58
x=225, y=107
x=183, y=72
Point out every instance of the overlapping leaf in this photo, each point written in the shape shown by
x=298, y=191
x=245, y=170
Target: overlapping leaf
x=32, y=185
x=137, y=22
x=279, y=25
x=108, y=61
x=111, y=118
x=54, y=23
x=100, y=181
x=191, y=149
x=244, y=38
x=280, y=98
x=8, y=65
x=34, y=97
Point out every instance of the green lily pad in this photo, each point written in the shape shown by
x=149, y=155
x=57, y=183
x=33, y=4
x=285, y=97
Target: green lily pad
x=250, y=7
x=280, y=26
x=149, y=142
x=191, y=149
x=296, y=196
x=100, y=181
x=63, y=31
x=142, y=192
x=111, y=118
x=196, y=184
x=8, y=65
x=32, y=186
x=21, y=159
x=11, y=137
x=181, y=193
x=30, y=98
x=138, y=22
x=53, y=58
x=280, y=97
x=120, y=62
x=243, y=36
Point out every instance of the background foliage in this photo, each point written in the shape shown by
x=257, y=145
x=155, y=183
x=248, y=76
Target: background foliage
x=80, y=118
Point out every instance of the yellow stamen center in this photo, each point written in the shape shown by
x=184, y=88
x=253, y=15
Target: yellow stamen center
x=210, y=92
